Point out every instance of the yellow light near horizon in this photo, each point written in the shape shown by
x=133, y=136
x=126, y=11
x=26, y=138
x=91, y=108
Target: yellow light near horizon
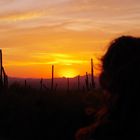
x=68, y=73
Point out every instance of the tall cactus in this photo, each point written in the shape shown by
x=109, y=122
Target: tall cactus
x=87, y=81
x=92, y=75
x=78, y=82
x=68, y=85
x=5, y=79
x=41, y=84
x=56, y=85
x=1, y=83
x=52, y=84
x=3, y=76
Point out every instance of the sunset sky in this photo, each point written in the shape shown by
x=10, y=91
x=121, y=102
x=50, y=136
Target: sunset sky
x=35, y=34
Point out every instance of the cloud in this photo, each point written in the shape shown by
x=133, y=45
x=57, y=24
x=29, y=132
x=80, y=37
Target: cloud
x=14, y=17
x=42, y=59
x=75, y=15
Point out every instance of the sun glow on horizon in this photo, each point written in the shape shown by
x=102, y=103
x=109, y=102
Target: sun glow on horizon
x=68, y=73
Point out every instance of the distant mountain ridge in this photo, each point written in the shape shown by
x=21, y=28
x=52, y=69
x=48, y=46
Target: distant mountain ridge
x=61, y=82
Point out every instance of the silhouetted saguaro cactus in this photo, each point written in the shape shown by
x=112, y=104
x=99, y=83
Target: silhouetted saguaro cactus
x=5, y=78
x=1, y=83
x=78, y=82
x=52, y=84
x=68, y=85
x=92, y=75
x=56, y=86
x=41, y=84
x=83, y=88
x=87, y=81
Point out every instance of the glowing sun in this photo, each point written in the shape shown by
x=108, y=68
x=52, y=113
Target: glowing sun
x=68, y=73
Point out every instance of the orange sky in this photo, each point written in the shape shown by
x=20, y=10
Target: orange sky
x=34, y=34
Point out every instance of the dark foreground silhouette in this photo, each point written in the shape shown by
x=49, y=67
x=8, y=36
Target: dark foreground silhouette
x=120, y=80
x=34, y=114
